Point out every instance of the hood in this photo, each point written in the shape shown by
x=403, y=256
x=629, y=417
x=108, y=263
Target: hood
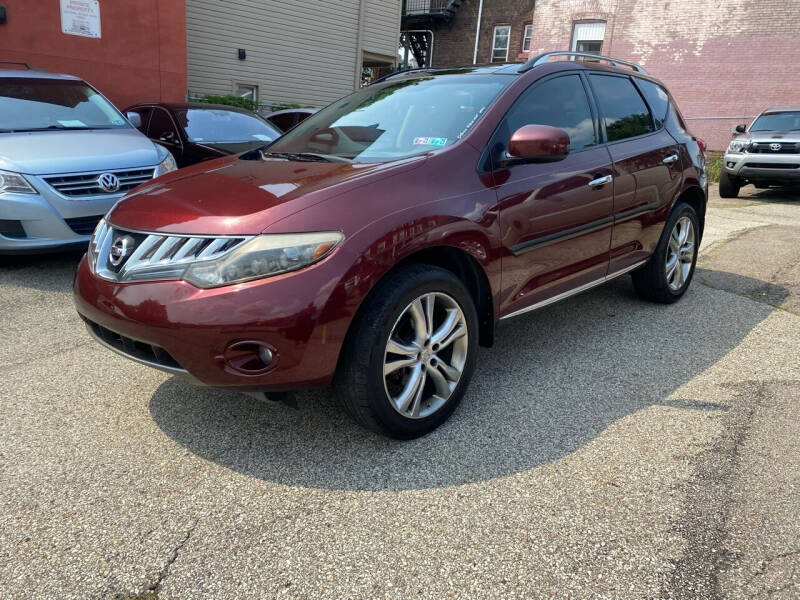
x=45, y=152
x=769, y=136
x=233, y=196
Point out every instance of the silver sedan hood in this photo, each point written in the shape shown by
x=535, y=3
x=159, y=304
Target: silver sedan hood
x=45, y=152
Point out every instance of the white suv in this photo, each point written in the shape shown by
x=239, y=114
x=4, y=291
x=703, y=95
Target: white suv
x=767, y=153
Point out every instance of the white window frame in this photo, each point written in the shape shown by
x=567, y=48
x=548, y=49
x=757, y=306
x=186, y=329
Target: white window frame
x=527, y=37
x=240, y=84
x=494, y=42
x=588, y=31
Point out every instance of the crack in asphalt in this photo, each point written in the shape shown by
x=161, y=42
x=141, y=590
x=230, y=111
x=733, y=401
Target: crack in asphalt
x=704, y=524
x=765, y=565
x=155, y=586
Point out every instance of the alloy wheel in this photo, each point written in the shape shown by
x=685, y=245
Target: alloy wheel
x=425, y=355
x=680, y=253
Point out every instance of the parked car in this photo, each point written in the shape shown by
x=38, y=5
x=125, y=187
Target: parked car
x=377, y=244
x=194, y=132
x=764, y=154
x=66, y=156
x=289, y=117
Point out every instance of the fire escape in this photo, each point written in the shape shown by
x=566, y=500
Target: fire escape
x=421, y=18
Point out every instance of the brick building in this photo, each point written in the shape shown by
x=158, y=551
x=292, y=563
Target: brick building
x=724, y=61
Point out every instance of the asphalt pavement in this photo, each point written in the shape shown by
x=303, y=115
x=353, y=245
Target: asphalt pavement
x=607, y=448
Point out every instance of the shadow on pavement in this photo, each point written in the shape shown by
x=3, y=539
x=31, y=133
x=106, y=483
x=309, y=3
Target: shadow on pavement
x=554, y=381
x=51, y=272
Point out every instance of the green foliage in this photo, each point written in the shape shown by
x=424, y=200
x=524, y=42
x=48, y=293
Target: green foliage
x=714, y=166
x=229, y=100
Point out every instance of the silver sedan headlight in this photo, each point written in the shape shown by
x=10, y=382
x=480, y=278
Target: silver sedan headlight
x=264, y=256
x=738, y=146
x=166, y=165
x=14, y=183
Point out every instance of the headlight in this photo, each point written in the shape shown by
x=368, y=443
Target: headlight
x=94, y=243
x=14, y=183
x=738, y=146
x=167, y=165
x=264, y=256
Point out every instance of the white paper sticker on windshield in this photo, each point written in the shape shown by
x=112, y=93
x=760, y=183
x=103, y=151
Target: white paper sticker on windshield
x=430, y=141
x=71, y=123
x=262, y=137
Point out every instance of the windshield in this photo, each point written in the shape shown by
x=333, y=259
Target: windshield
x=396, y=119
x=224, y=126
x=782, y=121
x=38, y=104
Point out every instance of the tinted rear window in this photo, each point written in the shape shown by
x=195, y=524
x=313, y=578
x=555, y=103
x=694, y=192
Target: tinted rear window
x=657, y=98
x=624, y=112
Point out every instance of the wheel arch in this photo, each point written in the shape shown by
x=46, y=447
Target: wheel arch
x=695, y=197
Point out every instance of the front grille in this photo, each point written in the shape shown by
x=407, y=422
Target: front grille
x=12, y=229
x=764, y=148
x=123, y=255
x=83, y=225
x=140, y=351
x=760, y=165
x=87, y=184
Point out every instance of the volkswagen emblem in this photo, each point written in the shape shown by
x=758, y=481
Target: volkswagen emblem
x=775, y=147
x=120, y=250
x=108, y=182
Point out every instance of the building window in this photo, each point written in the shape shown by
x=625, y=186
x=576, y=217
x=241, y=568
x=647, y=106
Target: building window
x=502, y=33
x=526, y=38
x=588, y=37
x=246, y=91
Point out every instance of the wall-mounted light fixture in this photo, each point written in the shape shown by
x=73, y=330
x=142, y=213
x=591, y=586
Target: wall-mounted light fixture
x=242, y=54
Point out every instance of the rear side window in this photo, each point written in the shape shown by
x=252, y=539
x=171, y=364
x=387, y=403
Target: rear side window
x=622, y=108
x=559, y=102
x=657, y=98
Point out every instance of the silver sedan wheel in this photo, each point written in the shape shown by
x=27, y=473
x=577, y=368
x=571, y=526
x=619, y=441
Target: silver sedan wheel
x=680, y=253
x=425, y=355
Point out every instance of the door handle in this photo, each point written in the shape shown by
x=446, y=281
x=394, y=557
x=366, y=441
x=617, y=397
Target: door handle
x=600, y=181
x=670, y=159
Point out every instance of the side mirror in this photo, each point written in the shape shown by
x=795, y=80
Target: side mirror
x=135, y=119
x=538, y=143
x=739, y=129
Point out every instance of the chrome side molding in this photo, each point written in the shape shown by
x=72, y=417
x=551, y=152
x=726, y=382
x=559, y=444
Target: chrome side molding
x=573, y=292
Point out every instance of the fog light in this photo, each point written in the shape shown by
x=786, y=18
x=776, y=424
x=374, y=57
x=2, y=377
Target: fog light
x=249, y=357
x=731, y=164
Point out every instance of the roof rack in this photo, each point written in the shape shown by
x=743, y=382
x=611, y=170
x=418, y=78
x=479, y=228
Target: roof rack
x=20, y=64
x=615, y=62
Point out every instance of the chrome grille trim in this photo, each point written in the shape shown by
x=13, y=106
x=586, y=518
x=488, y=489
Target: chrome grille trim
x=86, y=184
x=157, y=256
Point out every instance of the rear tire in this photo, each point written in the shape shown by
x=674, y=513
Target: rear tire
x=668, y=273
x=425, y=319
x=729, y=186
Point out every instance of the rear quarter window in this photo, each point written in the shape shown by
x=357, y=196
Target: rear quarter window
x=623, y=109
x=657, y=98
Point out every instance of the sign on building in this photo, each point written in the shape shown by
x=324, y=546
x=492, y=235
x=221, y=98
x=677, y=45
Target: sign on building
x=80, y=17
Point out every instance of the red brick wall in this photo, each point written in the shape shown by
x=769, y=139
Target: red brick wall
x=454, y=45
x=141, y=55
x=725, y=60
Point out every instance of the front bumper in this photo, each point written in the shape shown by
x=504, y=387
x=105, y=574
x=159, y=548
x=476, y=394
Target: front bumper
x=763, y=167
x=47, y=220
x=292, y=313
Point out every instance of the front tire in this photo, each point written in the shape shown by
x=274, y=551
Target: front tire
x=729, y=186
x=668, y=273
x=410, y=355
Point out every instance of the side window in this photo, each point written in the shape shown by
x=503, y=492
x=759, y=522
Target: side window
x=622, y=108
x=160, y=124
x=284, y=122
x=559, y=102
x=657, y=98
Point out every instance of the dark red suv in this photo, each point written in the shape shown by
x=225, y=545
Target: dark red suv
x=377, y=244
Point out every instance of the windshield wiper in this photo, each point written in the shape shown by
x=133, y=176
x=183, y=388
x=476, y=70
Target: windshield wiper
x=308, y=157
x=53, y=128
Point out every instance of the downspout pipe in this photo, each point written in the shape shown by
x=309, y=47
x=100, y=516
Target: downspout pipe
x=477, y=33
